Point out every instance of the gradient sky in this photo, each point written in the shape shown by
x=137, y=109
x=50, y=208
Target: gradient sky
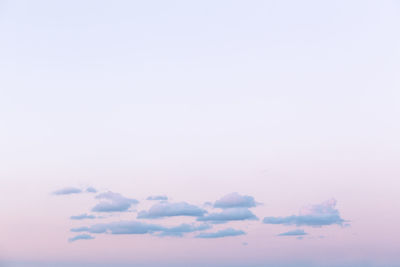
x=294, y=105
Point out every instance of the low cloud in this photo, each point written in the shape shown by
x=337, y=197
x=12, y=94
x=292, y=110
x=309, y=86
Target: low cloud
x=231, y=214
x=221, y=233
x=162, y=210
x=316, y=215
x=81, y=237
x=82, y=217
x=235, y=200
x=297, y=232
x=114, y=202
x=67, y=191
x=157, y=198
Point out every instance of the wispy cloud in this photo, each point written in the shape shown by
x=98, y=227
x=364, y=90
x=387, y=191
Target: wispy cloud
x=235, y=200
x=82, y=217
x=161, y=210
x=114, y=202
x=297, y=232
x=157, y=197
x=221, y=233
x=67, y=191
x=231, y=214
x=81, y=237
x=315, y=215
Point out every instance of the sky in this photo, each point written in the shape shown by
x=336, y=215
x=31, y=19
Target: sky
x=199, y=133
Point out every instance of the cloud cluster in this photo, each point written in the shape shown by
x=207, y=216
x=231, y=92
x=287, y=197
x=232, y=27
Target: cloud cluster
x=315, y=215
x=221, y=233
x=235, y=200
x=162, y=210
x=231, y=207
x=113, y=202
x=231, y=214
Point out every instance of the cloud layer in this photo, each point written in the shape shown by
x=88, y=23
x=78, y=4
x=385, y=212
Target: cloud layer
x=315, y=215
x=136, y=227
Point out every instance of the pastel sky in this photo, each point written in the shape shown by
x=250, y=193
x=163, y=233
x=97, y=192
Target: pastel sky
x=199, y=133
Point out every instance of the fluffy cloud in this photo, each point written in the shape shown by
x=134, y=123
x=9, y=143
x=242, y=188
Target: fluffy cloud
x=157, y=198
x=113, y=202
x=235, y=200
x=161, y=210
x=136, y=227
x=297, y=232
x=82, y=217
x=231, y=214
x=67, y=191
x=81, y=237
x=315, y=215
x=221, y=233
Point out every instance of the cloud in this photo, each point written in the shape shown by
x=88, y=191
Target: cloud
x=136, y=227
x=221, y=233
x=157, y=198
x=91, y=189
x=184, y=228
x=315, y=215
x=161, y=210
x=114, y=202
x=235, y=200
x=67, y=191
x=297, y=232
x=82, y=217
x=231, y=214
x=81, y=237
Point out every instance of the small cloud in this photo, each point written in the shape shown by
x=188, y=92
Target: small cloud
x=245, y=243
x=162, y=210
x=82, y=217
x=297, y=232
x=221, y=233
x=231, y=214
x=235, y=200
x=300, y=238
x=157, y=197
x=67, y=191
x=315, y=215
x=91, y=189
x=182, y=229
x=81, y=237
x=114, y=202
